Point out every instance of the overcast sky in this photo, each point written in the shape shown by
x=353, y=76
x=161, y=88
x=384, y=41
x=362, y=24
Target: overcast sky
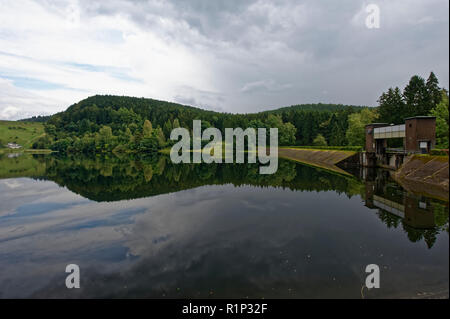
x=229, y=55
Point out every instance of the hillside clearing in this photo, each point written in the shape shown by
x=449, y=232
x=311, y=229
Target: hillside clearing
x=22, y=133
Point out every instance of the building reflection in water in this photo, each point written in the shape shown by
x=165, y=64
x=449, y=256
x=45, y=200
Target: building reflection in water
x=421, y=217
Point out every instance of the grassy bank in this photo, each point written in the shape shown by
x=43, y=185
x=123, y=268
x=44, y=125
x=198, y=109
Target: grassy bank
x=22, y=133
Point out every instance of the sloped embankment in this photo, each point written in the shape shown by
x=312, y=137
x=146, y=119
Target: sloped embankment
x=319, y=158
x=424, y=174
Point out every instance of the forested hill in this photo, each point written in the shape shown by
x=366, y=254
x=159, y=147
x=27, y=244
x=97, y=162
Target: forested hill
x=125, y=117
x=317, y=107
x=145, y=106
x=105, y=123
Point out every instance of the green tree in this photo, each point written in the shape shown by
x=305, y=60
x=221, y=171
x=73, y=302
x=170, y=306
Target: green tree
x=147, y=129
x=167, y=128
x=356, y=126
x=149, y=144
x=41, y=143
x=85, y=126
x=128, y=134
x=442, y=121
x=159, y=134
x=104, y=139
x=105, y=134
x=50, y=129
x=287, y=134
x=320, y=141
x=392, y=107
x=434, y=94
x=415, y=95
x=286, y=131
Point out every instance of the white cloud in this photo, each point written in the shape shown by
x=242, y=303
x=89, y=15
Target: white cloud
x=54, y=53
x=16, y=103
x=12, y=183
x=69, y=50
x=9, y=112
x=264, y=85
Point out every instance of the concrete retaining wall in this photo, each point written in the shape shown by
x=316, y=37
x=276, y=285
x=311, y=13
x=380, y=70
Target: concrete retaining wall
x=425, y=174
x=320, y=158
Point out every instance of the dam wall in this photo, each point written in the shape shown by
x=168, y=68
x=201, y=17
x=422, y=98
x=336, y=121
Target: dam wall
x=327, y=159
x=425, y=174
x=421, y=174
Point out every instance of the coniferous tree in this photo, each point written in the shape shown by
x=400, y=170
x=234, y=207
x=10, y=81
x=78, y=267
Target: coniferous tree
x=160, y=137
x=392, y=107
x=147, y=129
x=415, y=96
x=167, y=128
x=434, y=94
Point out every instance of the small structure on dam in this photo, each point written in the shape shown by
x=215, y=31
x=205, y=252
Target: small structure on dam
x=418, y=134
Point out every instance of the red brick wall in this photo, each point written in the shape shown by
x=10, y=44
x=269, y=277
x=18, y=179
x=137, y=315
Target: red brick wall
x=417, y=130
x=369, y=136
x=369, y=139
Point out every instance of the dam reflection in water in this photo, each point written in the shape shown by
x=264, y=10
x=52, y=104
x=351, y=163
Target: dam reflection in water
x=144, y=227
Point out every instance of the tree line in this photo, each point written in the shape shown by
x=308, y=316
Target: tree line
x=127, y=124
x=105, y=123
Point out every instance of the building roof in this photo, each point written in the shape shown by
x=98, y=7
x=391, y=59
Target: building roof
x=420, y=117
x=14, y=145
x=377, y=124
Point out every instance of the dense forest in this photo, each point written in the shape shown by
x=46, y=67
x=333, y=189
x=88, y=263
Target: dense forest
x=129, y=124
x=105, y=123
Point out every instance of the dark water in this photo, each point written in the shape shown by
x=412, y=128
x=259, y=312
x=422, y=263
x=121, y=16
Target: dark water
x=143, y=227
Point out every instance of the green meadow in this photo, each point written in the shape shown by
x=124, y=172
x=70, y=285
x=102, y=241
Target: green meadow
x=22, y=133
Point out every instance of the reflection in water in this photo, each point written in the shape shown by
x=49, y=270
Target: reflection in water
x=419, y=216
x=143, y=227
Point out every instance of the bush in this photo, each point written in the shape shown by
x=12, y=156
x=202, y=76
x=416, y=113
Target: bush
x=42, y=143
x=439, y=152
x=320, y=141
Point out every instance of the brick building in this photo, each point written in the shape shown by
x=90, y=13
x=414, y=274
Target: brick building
x=418, y=133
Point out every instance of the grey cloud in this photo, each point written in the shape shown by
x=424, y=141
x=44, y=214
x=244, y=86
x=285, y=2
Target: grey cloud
x=264, y=86
x=304, y=47
x=203, y=99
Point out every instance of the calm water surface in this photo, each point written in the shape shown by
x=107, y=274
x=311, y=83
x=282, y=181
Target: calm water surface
x=143, y=227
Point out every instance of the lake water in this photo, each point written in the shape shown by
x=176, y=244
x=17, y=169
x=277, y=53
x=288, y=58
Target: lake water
x=144, y=227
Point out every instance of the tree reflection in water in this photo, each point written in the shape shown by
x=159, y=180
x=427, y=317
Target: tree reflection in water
x=113, y=178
